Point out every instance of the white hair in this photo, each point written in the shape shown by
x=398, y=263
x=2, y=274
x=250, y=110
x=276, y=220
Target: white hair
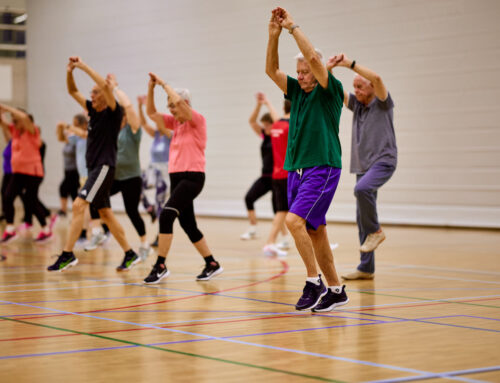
x=184, y=94
x=300, y=56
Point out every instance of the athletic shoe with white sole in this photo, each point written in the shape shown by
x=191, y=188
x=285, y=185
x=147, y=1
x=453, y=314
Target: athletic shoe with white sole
x=129, y=260
x=96, y=240
x=249, y=234
x=372, y=241
x=63, y=262
x=210, y=271
x=272, y=250
x=331, y=300
x=158, y=272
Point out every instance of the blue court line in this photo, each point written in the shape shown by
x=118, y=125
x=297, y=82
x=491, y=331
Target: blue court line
x=300, y=352
x=289, y=304
x=440, y=375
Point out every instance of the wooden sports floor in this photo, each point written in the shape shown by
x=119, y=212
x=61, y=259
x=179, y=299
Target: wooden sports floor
x=431, y=314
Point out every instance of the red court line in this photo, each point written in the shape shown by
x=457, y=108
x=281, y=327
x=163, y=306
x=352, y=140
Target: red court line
x=282, y=272
x=145, y=328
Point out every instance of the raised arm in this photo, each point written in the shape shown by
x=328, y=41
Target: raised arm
x=5, y=127
x=374, y=78
x=60, y=131
x=333, y=62
x=272, y=57
x=319, y=71
x=80, y=132
x=98, y=79
x=256, y=127
x=184, y=111
x=151, y=108
x=274, y=115
x=141, y=100
x=21, y=116
x=124, y=101
x=72, y=89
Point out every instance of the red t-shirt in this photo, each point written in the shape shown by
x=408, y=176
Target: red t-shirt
x=279, y=140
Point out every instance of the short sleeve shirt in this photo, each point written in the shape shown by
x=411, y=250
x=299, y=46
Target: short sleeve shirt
x=69, y=155
x=373, y=138
x=279, y=139
x=127, y=160
x=187, y=147
x=102, y=137
x=313, y=138
x=26, y=158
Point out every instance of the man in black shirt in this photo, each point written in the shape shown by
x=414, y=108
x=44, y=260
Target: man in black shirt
x=105, y=119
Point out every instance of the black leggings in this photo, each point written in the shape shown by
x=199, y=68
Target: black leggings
x=184, y=188
x=26, y=187
x=131, y=193
x=259, y=188
x=70, y=184
x=5, y=184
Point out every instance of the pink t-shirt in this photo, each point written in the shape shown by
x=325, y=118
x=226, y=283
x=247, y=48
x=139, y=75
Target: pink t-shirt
x=187, y=148
x=26, y=158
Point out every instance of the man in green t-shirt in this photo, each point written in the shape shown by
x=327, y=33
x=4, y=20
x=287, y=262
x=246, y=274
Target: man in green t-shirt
x=313, y=160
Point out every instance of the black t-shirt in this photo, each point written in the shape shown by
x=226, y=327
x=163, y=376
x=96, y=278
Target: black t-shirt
x=266, y=151
x=102, y=136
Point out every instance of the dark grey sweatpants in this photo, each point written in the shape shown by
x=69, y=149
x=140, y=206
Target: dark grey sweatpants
x=366, y=188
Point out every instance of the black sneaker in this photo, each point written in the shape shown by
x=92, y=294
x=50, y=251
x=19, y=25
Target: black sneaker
x=129, y=260
x=158, y=272
x=311, y=295
x=155, y=243
x=63, y=262
x=210, y=270
x=331, y=300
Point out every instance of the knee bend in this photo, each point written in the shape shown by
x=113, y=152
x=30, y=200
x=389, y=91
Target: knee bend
x=167, y=218
x=249, y=201
x=360, y=191
x=78, y=206
x=293, y=223
x=192, y=231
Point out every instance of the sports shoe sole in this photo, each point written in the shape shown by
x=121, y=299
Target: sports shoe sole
x=44, y=240
x=159, y=279
x=330, y=308
x=315, y=304
x=71, y=264
x=369, y=250
x=215, y=273
x=11, y=238
x=119, y=268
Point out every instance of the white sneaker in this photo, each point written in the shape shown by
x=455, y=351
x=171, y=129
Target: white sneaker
x=333, y=246
x=272, y=250
x=249, y=234
x=95, y=241
x=144, y=252
x=283, y=245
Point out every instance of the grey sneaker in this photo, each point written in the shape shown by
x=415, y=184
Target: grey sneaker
x=95, y=241
x=144, y=252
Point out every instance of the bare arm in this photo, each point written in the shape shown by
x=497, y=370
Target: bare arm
x=256, y=127
x=132, y=118
x=185, y=112
x=72, y=89
x=21, y=116
x=272, y=57
x=5, y=128
x=80, y=132
x=272, y=111
x=60, y=128
x=374, y=78
x=98, y=79
x=142, y=118
x=305, y=46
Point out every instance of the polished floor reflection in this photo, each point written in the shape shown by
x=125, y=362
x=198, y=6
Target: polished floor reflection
x=432, y=313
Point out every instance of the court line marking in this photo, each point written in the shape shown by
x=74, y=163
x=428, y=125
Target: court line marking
x=300, y=352
x=132, y=344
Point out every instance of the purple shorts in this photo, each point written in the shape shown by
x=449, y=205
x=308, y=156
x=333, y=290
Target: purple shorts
x=310, y=193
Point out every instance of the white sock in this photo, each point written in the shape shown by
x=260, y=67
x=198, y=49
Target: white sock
x=96, y=230
x=335, y=289
x=46, y=230
x=10, y=229
x=252, y=229
x=314, y=280
x=145, y=244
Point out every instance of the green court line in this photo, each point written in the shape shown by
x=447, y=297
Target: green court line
x=178, y=352
x=429, y=300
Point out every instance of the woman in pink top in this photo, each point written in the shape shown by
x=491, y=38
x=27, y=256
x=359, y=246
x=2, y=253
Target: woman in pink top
x=27, y=172
x=186, y=168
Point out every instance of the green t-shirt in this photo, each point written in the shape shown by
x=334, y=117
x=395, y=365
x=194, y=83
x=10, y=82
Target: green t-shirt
x=313, y=136
x=127, y=158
